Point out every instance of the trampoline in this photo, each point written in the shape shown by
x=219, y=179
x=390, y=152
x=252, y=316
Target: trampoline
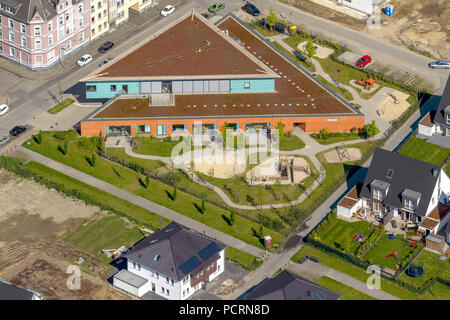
x=415, y=270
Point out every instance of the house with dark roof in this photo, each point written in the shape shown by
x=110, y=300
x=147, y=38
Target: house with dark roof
x=173, y=262
x=401, y=187
x=8, y=291
x=39, y=33
x=438, y=121
x=194, y=71
x=288, y=286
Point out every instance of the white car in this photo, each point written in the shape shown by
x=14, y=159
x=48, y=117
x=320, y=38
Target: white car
x=167, y=10
x=3, y=109
x=84, y=60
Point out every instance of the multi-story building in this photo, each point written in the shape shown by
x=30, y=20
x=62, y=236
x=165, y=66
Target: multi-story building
x=38, y=33
x=173, y=262
x=98, y=17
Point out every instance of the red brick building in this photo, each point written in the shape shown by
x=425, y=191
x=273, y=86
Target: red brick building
x=194, y=71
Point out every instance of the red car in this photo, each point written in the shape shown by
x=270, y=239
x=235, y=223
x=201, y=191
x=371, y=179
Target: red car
x=363, y=61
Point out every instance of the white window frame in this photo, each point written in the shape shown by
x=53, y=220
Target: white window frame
x=50, y=27
x=50, y=40
x=409, y=204
x=81, y=37
x=377, y=194
x=23, y=41
x=11, y=36
x=11, y=23
x=36, y=46
x=23, y=28
x=12, y=52
x=80, y=22
x=80, y=8
x=37, y=31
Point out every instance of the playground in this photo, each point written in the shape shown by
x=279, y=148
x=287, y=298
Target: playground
x=343, y=154
x=387, y=252
x=321, y=51
x=393, y=104
x=219, y=165
x=433, y=265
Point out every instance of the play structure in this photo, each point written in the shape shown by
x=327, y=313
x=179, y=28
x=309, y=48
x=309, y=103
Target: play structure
x=412, y=244
x=416, y=270
x=366, y=84
x=359, y=238
x=391, y=254
x=342, y=152
x=393, y=96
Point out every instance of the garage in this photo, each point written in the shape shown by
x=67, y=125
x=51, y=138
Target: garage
x=130, y=283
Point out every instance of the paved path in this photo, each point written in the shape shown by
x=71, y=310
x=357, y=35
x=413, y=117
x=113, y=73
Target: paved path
x=143, y=203
x=318, y=270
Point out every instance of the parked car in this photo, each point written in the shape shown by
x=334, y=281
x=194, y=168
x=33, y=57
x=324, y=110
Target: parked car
x=17, y=130
x=167, y=10
x=84, y=60
x=278, y=27
x=3, y=109
x=205, y=15
x=106, y=46
x=216, y=7
x=363, y=61
x=251, y=9
x=3, y=139
x=440, y=64
x=105, y=61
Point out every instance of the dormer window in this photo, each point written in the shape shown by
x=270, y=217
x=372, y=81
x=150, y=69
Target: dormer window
x=409, y=204
x=377, y=194
x=390, y=173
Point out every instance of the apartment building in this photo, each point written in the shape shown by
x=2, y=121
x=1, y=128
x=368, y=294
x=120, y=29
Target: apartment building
x=38, y=33
x=98, y=17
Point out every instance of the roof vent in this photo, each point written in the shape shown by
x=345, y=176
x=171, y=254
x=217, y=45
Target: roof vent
x=390, y=173
x=207, y=42
x=198, y=50
x=153, y=241
x=435, y=172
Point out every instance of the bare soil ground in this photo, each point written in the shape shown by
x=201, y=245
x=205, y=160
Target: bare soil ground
x=49, y=277
x=422, y=24
x=352, y=154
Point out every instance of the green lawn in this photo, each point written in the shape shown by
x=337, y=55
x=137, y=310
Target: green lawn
x=291, y=142
x=240, y=192
x=433, y=267
x=437, y=292
x=154, y=146
x=348, y=293
x=147, y=163
x=420, y=149
x=60, y=106
x=242, y=259
x=336, y=137
x=80, y=148
x=340, y=234
x=344, y=93
x=384, y=246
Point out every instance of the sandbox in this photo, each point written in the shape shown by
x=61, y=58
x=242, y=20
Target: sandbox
x=321, y=51
x=335, y=156
x=389, y=109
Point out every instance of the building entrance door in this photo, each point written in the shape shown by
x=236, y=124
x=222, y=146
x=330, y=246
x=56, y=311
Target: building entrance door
x=166, y=87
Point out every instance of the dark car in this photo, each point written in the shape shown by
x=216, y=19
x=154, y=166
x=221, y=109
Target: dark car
x=251, y=9
x=105, y=61
x=17, y=130
x=205, y=15
x=363, y=61
x=278, y=27
x=106, y=46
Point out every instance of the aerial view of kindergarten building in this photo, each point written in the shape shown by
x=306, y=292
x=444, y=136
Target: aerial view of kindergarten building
x=193, y=70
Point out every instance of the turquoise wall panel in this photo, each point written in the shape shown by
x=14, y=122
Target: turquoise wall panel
x=252, y=85
x=103, y=89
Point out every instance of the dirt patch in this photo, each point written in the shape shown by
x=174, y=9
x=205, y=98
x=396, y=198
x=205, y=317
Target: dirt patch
x=227, y=287
x=352, y=154
x=29, y=210
x=221, y=165
x=49, y=277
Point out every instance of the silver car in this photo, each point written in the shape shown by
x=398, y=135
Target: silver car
x=440, y=64
x=3, y=139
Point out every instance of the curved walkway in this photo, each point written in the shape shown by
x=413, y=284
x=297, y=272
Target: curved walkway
x=310, y=150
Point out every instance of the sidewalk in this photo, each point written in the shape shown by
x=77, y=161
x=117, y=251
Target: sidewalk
x=144, y=203
x=319, y=270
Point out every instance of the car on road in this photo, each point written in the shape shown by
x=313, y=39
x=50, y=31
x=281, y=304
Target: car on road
x=105, y=61
x=3, y=109
x=84, y=60
x=440, y=64
x=17, y=130
x=216, y=7
x=105, y=47
x=3, y=139
x=167, y=10
x=251, y=9
x=363, y=61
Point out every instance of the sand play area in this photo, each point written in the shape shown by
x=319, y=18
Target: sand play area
x=393, y=105
x=321, y=51
x=284, y=170
x=220, y=165
x=343, y=155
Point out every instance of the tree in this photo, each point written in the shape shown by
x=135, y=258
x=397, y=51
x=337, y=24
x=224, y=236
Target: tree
x=147, y=181
x=280, y=128
x=232, y=217
x=64, y=148
x=271, y=19
x=261, y=232
x=324, y=133
x=371, y=129
x=310, y=49
x=93, y=160
x=203, y=209
x=174, y=194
